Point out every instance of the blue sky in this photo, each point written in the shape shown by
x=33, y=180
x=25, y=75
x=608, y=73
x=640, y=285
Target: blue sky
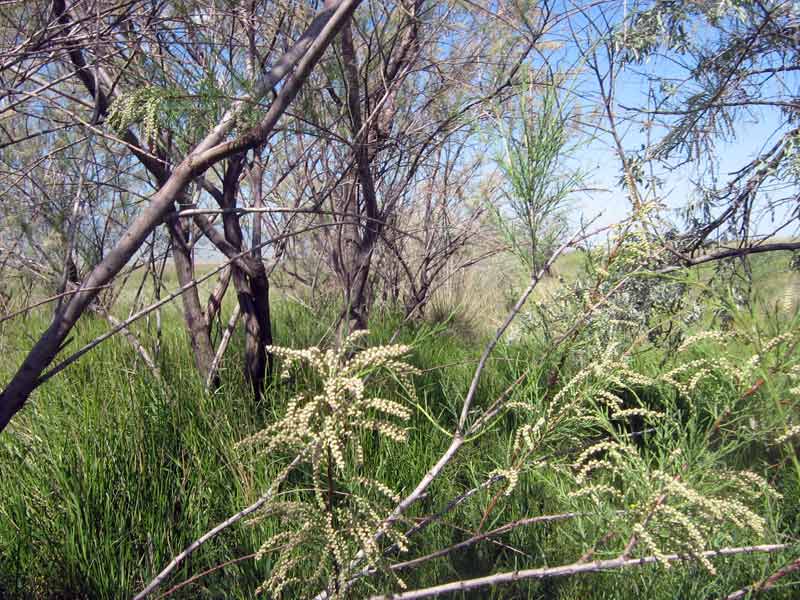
x=600, y=162
x=754, y=132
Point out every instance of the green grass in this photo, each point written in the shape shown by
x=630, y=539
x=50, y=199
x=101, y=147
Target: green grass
x=108, y=472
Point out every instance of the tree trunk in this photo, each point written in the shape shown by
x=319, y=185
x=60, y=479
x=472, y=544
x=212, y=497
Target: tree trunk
x=251, y=291
x=199, y=338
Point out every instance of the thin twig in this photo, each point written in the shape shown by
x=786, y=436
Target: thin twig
x=130, y=336
x=49, y=299
x=194, y=578
x=483, y=536
x=767, y=583
x=223, y=345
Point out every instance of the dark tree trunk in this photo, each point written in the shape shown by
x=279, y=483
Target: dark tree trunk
x=252, y=291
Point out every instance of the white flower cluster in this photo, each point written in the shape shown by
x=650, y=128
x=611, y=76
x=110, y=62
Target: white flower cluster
x=645, y=413
x=575, y=405
x=607, y=455
x=700, y=369
x=613, y=401
x=528, y=436
x=793, y=374
x=331, y=421
x=280, y=578
x=595, y=491
x=670, y=515
x=715, y=510
x=721, y=337
x=623, y=376
x=511, y=476
x=789, y=434
x=778, y=340
x=336, y=416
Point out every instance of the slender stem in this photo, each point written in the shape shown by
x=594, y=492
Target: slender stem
x=202, y=574
x=223, y=345
x=481, y=537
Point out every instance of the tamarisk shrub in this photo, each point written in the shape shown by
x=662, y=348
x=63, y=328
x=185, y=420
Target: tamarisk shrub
x=659, y=497
x=333, y=513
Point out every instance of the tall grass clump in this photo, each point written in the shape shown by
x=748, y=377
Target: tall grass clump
x=109, y=470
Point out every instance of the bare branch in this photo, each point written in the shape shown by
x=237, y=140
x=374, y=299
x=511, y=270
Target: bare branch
x=570, y=570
